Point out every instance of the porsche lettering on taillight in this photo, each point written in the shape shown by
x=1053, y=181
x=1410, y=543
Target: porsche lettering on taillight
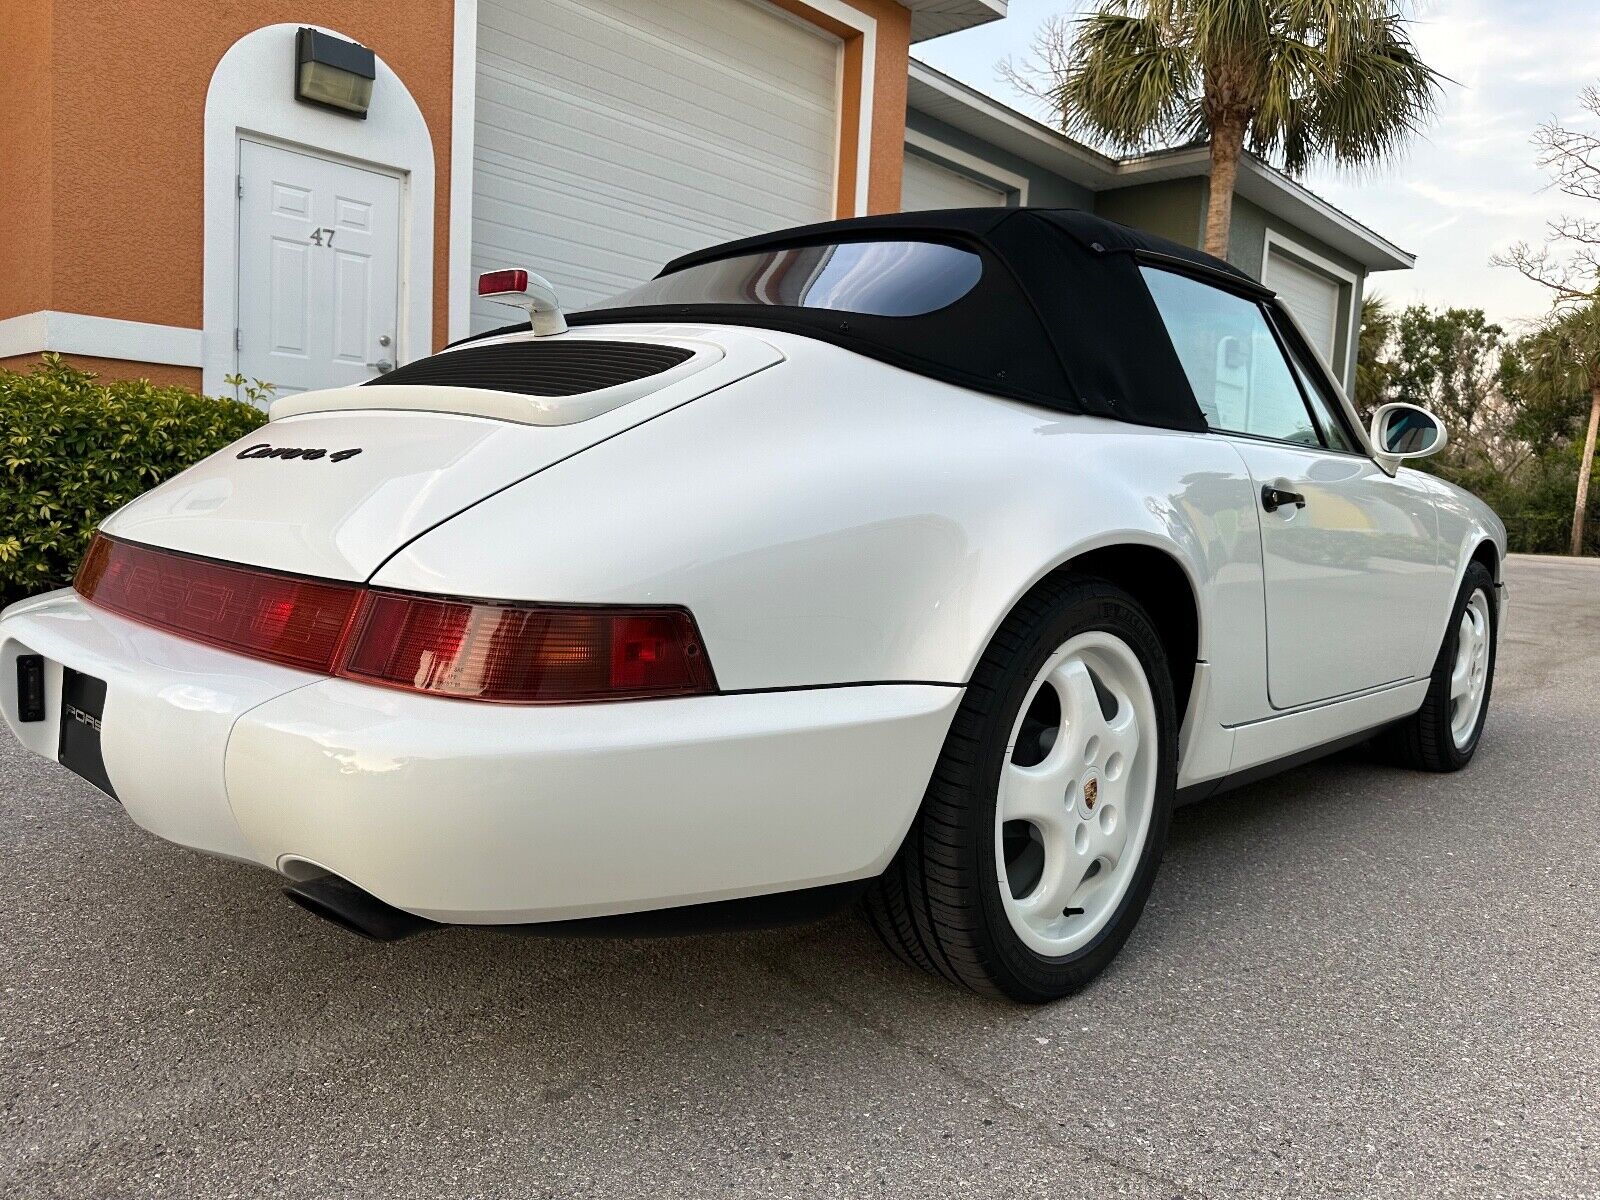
x=263, y=614
x=498, y=652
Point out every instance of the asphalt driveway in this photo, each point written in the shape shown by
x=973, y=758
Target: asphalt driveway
x=1349, y=980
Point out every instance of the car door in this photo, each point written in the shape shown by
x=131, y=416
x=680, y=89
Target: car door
x=1350, y=555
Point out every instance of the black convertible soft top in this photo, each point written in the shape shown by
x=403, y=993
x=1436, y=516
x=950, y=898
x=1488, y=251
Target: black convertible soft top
x=1060, y=315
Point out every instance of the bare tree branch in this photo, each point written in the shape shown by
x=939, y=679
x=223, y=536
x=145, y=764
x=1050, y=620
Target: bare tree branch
x=1039, y=72
x=1572, y=156
x=1572, y=280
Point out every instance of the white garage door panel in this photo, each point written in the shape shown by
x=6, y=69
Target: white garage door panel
x=1312, y=296
x=925, y=184
x=613, y=135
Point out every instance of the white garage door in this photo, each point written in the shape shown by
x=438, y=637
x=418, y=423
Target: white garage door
x=926, y=184
x=613, y=135
x=1313, y=298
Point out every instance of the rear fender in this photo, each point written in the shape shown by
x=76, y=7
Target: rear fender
x=839, y=521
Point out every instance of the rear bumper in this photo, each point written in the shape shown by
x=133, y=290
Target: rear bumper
x=170, y=709
x=483, y=813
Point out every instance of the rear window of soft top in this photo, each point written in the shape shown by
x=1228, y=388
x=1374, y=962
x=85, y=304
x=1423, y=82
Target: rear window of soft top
x=872, y=278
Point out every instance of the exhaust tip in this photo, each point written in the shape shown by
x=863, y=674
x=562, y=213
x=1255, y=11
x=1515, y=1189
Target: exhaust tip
x=356, y=910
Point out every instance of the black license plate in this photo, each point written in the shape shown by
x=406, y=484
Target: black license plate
x=83, y=706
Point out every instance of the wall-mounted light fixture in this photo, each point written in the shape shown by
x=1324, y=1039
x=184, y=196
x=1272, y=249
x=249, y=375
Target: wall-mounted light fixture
x=333, y=73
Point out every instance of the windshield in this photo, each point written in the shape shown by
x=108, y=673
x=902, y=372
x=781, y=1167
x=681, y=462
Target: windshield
x=881, y=279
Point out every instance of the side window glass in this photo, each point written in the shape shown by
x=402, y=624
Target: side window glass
x=1232, y=359
x=1322, y=404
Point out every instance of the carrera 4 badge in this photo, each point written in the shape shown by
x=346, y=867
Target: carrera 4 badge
x=266, y=450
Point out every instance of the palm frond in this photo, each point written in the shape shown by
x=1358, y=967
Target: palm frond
x=1284, y=128
x=1374, y=98
x=1126, y=82
x=1336, y=25
x=1230, y=36
x=1305, y=79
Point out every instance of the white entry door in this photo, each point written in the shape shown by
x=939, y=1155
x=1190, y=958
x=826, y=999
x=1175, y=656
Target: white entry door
x=319, y=261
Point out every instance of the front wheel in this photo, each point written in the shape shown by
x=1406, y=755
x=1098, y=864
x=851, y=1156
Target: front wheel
x=1444, y=732
x=1047, y=814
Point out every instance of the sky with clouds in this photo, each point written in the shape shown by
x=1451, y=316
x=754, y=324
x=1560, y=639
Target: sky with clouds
x=1469, y=187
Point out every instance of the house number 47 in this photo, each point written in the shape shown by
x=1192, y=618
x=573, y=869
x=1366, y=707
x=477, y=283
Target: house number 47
x=322, y=237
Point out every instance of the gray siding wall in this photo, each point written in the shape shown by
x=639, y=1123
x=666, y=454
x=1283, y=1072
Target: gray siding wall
x=1247, y=246
x=1176, y=209
x=1172, y=208
x=1045, y=188
x=1248, y=239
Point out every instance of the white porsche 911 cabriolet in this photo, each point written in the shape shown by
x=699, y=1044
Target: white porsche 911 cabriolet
x=927, y=560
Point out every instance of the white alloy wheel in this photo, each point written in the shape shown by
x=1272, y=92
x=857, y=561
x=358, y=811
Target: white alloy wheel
x=1443, y=734
x=1076, y=793
x=1469, y=676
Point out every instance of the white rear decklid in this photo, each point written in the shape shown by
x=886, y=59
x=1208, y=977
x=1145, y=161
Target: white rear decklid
x=422, y=455
x=524, y=408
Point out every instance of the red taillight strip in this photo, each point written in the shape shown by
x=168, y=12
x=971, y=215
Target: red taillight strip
x=525, y=653
x=262, y=614
x=505, y=653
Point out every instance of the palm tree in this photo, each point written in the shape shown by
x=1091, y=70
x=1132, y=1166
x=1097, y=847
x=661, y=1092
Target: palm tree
x=1294, y=81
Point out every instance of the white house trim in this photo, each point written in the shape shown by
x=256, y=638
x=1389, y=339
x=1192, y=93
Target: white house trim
x=935, y=18
x=1352, y=321
x=981, y=169
x=463, y=137
x=867, y=27
x=99, y=337
x=251, y=97
x=1281, y=196
x=1311, y=258
x=1061, y=154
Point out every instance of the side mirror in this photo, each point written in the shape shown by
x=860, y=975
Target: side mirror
x=1404, y=431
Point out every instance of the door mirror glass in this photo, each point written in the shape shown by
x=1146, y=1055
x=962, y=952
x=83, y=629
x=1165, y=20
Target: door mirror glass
x=1402, y=431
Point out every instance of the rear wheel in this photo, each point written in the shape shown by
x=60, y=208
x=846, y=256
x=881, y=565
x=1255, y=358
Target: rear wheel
x=1444, y=732
x=1044, y=823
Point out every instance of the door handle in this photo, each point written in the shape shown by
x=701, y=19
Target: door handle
x=1272, y=499
x=383, y=366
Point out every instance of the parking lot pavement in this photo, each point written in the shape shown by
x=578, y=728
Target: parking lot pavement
x=1349, y=980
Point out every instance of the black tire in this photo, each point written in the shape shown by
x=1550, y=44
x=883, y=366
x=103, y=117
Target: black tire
x=1424, y=741
x=939, y=905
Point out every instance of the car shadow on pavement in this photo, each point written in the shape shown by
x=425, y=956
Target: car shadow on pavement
x=158, y=993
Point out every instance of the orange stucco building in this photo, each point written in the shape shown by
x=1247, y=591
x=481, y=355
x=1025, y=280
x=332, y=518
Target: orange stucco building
x=179, y=207
x=595, y=138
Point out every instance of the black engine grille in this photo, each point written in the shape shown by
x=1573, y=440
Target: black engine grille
x=554, y=368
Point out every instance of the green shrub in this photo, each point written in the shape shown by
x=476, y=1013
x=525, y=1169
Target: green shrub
x=72, y=450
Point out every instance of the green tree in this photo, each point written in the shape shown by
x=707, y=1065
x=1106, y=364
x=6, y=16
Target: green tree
x=1375, y=369
x=1511, y=420
x=1294, y=81
x=1561, y=377
x=1565, y=353
x=1450, y=360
